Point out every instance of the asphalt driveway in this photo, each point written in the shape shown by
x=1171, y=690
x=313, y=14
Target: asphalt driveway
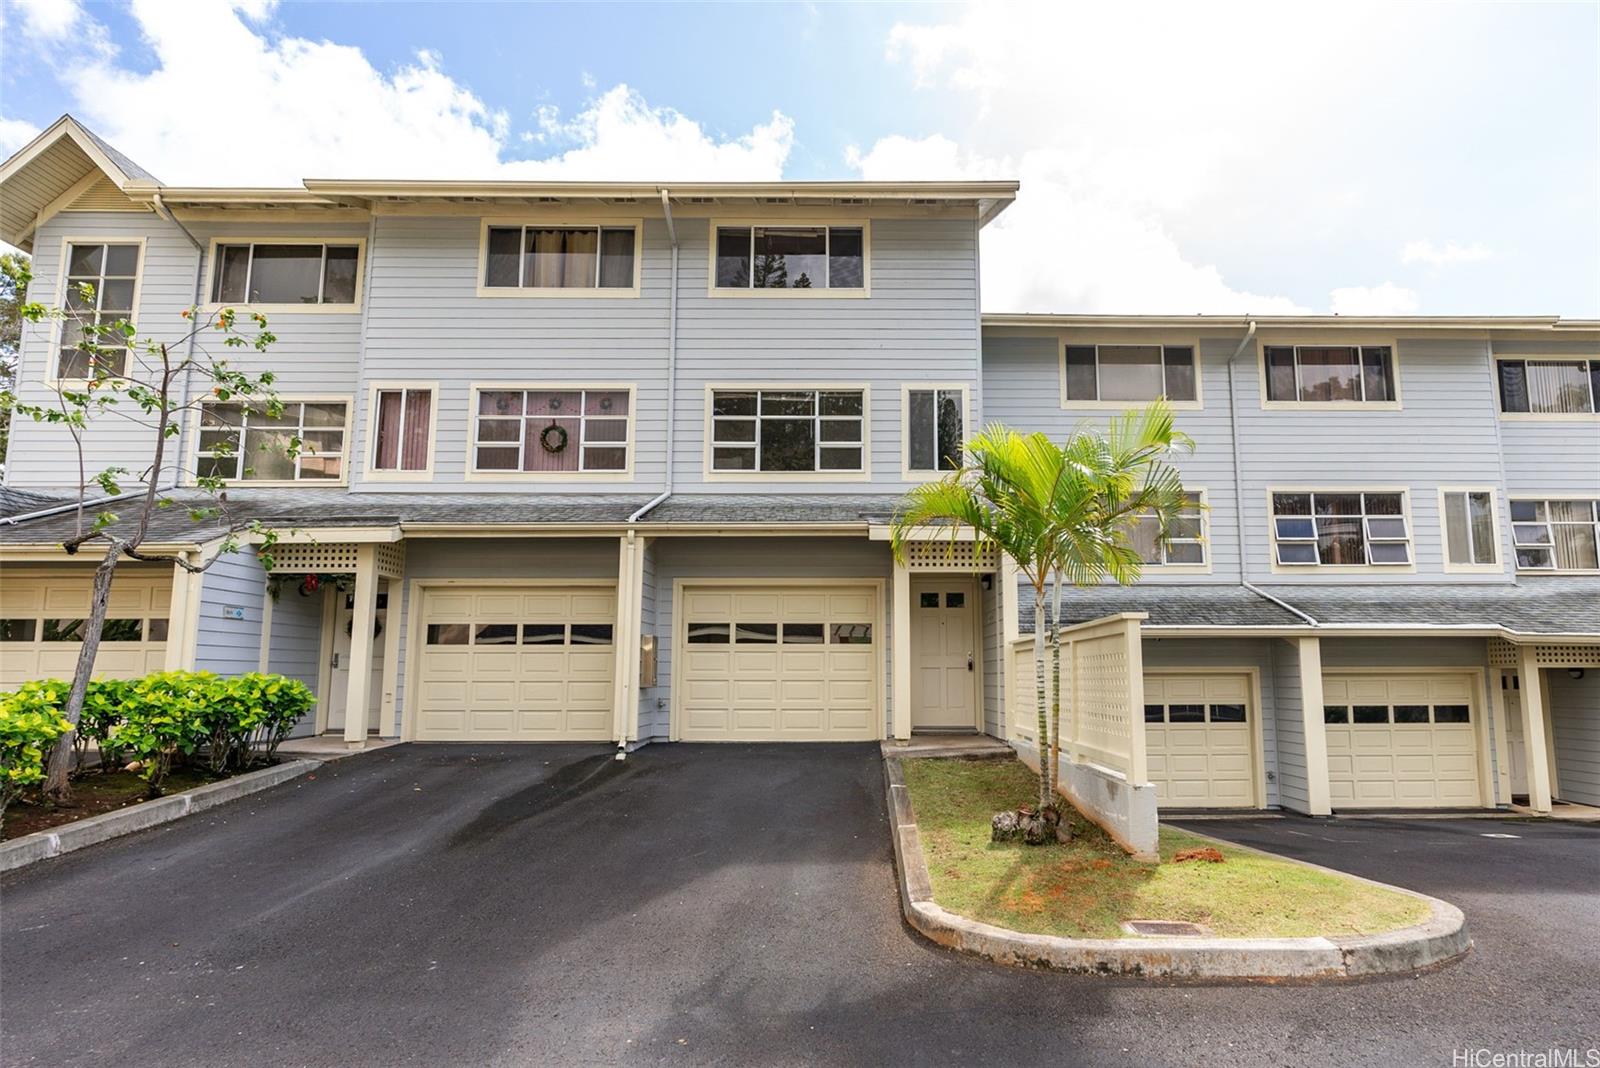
x=696, y=904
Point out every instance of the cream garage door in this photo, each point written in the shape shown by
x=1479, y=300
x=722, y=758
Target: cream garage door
x=1401, y=741
x=499, y=663
x=41, y=622
x=779, y=663
x=1198, y=731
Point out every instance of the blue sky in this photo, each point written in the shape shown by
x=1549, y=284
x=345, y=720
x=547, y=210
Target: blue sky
x=1430, y=159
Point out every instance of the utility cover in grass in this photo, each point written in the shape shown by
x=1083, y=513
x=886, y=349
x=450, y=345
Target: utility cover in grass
x=1088, y=887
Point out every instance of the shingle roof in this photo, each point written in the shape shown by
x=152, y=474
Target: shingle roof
x=775, y=508
x=1213, y=604
x=128, y=167
x=20, y=502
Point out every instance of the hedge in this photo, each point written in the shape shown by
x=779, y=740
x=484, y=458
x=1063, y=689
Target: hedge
x=30, y=723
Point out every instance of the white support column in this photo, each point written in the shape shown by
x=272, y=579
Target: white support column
x=366, y=607
x=900, y=643
x=626, y=647
x=183, y=618
x=1497, y=705
x=1138, y=768
x=387, y=728
x=264, y=662
x=1316, y=732
x=1534, y=742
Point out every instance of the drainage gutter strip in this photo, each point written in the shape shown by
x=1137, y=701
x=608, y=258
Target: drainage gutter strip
x=1442, y=937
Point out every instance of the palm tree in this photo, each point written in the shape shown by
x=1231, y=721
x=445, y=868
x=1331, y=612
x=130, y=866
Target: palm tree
x=1064, y=513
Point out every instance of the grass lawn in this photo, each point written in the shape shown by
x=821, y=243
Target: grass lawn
x=1085, y=889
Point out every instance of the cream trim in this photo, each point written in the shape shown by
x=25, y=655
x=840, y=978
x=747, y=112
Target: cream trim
x=1178, y=341
x=1533, y=496
x=1545, y=417
x=1342, y=569
x=1206, y=564
x=824, y=293
x=939, y=581
x=369, y=468
x=52, y=354
x=195, y=416
x=1496, y=568
x=353, y=308
x=1258, y=736
x=1310, y=340
x=708, y=474
x=907, y=473
x=472, y=474
x=562, y=221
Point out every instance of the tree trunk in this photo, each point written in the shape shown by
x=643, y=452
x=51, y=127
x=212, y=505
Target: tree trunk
x=1055, y=685
x=56, y=786
x=1043, y=737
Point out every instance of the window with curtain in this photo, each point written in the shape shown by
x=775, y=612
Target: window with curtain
x=787, y=430
x=1185, y=542
x=100, y=283
x=552, y=431
x=1556, y=535
x=404, y=420
x=935, y=429
x=1340, y=528
x=1328, y=374
x=1550, y=387
x=1469, y=528
x=790, y=257
x=560, y=257
x=272, y=273
x=1117, y=373
x=245, y=443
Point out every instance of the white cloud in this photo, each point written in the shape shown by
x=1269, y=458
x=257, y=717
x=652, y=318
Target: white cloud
x=1385, y=299
x=49, y=20
x=14, y=133
x=1444, y=255
x=229, y=101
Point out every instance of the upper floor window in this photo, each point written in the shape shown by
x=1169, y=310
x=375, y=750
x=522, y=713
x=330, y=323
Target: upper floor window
x=1185, y=543
x=1118, y=373
x=561, y=257
x=788, y=430
x=1556, y=535
x=1330, y=374
x=791, y=257
x=552, y=431
x=403, y=441
x=245, y=443
x=1470, y=542
x=278, y=273
x=935, y=429
x=1341, y=528
x=1549, y=387
x=111, y=273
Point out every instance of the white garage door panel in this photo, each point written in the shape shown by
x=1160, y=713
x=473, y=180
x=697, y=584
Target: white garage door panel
x=1203, y=764
x=37, y=608
x=517, y=691
x=809, y=684
x=1429, y=764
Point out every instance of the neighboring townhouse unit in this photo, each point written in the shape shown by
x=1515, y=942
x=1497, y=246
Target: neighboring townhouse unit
x=616, y=462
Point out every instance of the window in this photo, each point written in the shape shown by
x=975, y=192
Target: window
x=1556, y=535
x=514, y=634
x=790, y=257
x=71, y=630
x=1184, y=543
x=1469, y=528
x=1118, y=373
x=402, y=418
x=285, y=274
x=560, y=257
x=1189, y=713
x=715, y=633
x=1340, y=529
x=112, y=273
x=552, y=431
x=304, y=443
x=788, y=430
x=935, y=429
x=1550, y=387
x=1397, y=715
x=1330, y=374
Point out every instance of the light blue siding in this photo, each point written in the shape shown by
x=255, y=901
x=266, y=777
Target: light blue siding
x=225, y=645
x=1575, y=716
x=1287, y=703
x=296, y=644
x=1555, y=457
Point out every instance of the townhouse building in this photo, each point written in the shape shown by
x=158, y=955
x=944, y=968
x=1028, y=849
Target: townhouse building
x=616, y=462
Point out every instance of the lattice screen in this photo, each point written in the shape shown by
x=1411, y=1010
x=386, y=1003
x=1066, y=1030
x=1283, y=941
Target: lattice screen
x=945, y=555
x=313, y=558
x=1506, y=654
x=391, y=559
x=1102, y=702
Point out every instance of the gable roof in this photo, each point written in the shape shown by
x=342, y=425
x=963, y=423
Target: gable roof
x=63, y=160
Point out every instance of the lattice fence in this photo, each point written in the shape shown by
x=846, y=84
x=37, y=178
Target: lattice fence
x=942, y=554
x=334, y=558
x=1504, y=654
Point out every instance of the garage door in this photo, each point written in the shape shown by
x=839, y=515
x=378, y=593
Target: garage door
x=41, y=625
x=508, y=664
x=1198, y=731
x=770, y=663
x=1403, y=741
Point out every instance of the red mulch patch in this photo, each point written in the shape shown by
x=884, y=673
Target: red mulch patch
x=1205, y=853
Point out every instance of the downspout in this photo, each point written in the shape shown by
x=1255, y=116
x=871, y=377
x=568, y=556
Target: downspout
x=1238, y=483
x=186, y=389
x=672, y=360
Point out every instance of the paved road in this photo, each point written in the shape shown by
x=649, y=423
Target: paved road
x=546, y=905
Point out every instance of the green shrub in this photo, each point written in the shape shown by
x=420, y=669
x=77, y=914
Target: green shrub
x=103, y=706
x=30, y=723
x=163, y=718
x=248, y=715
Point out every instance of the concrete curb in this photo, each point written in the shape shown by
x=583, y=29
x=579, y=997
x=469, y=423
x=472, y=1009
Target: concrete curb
x=1441, y=938
x=32, y=848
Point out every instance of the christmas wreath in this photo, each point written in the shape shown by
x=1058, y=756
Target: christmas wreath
x=553, y=438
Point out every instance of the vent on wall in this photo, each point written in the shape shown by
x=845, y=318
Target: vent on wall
x=103, y=195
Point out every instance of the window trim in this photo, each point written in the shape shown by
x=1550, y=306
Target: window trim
x=1313, y=341
x=52, y=367
x=710, y=474
x=1150, y=571
x=548, y=292
x=1408, y=568
x=748, y=293
x=470, y=469
x=907, y=472
x=1547, y=417
x=355, y=307
x=1545, y=495
x=197, y=421
x=1162, y=341
x=369, y=452
x=1496, y=568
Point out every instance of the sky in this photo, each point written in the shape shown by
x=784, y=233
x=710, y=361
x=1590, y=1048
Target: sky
x=1433, y=159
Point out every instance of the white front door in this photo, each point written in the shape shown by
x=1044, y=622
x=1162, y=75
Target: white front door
x=944, y=652
x=1516, y=745
x=339, y=675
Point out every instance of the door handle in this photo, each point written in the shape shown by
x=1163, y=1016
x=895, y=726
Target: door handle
x=335, y=662
x=969, y=661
